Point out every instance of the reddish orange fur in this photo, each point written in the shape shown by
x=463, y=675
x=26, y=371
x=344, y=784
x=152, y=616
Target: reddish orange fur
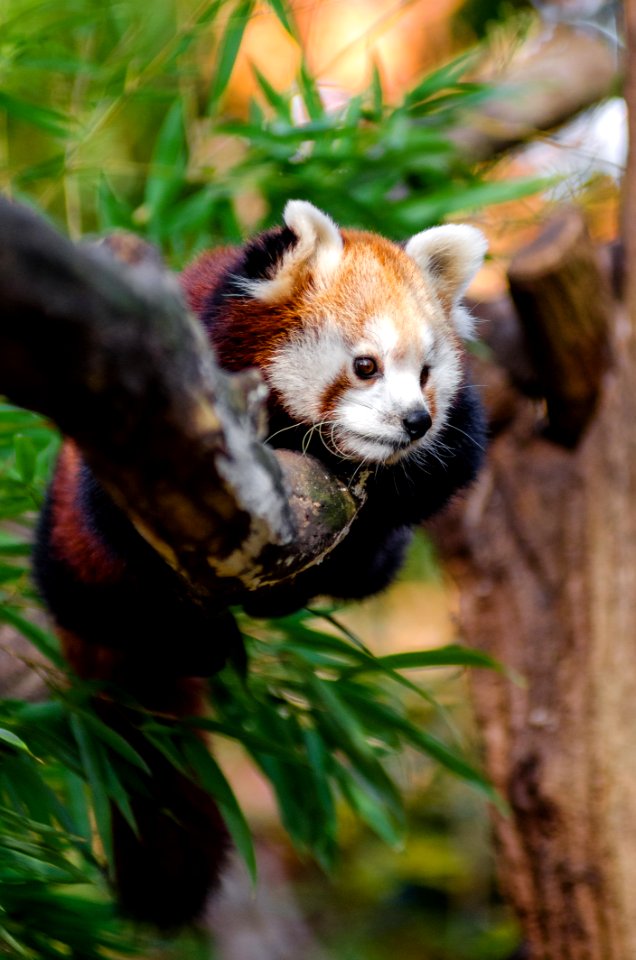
x=373, y=271
x=170, y=696
x=205, y=274
x=71, y=535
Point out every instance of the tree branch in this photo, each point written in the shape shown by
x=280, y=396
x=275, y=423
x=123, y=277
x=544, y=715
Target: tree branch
x=108, y=351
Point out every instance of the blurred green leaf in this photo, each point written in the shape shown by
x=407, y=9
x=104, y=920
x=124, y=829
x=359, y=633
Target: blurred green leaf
x=312, y=100
x=282, y=10
x=9, y=572
x=377, y=93
x=228, y=50
x=449, y=656
x=112, y=739
x=9, y=739
x=52, y=121
x=45, y=642
x=13, y=546
x=448, y=75
x=113, y=213
x=12, y=943
x=25, y=457
x=168, y=163
x=374, y=813
x=470, y=197
x=276, y=100
x=322, y=768
x=91, y=757
x=211, y=777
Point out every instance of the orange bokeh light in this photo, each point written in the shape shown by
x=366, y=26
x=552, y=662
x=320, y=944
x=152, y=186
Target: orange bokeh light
x=342, y=41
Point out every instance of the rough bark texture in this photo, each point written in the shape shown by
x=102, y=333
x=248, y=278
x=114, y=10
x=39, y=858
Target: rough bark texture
x=135, y=379
x=538, y=583
x=545, y=555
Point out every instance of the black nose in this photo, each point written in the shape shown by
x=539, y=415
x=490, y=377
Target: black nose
x=417, y=422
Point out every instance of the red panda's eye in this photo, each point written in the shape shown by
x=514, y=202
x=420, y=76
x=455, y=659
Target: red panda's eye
x=365, y=367
x=425, y=374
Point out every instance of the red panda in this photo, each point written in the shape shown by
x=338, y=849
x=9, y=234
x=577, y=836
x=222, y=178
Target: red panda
x=360, y=343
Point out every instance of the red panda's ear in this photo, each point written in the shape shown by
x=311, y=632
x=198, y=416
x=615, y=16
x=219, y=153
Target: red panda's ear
x=317, y=251
x=449, y=257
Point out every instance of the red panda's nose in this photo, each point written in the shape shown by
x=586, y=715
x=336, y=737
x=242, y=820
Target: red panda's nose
x=417, y=422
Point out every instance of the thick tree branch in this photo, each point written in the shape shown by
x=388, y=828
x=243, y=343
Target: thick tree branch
x=108, y=352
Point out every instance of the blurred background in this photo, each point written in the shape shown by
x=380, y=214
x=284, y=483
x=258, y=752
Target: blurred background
x=192, y=123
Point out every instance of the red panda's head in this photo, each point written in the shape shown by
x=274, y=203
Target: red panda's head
x=356, y=335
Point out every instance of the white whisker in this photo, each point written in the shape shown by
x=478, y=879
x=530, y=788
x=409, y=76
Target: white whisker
x=452, y=426
x=293, y=426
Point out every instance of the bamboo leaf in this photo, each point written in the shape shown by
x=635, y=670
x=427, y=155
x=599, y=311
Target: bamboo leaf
x=113, y=212
x=45, y=642
x=289, y=786
x=113, y=740
x=361, y=799
x=228, y=50
x=167, y=168
x=13, y=944
x=10, y=572
x=117, y=792
x=449, y=656
x=12, y=546
x=445, y=76
x=416, y=211
x=321, y=764
x=9, y=739
x=283, y=12
x=377, y=92
x=251, y=740
x=51, y=121
x=345, y=732
x=311, y=98
x=272, y=96
x=212, y=779
x=91, y=757
x=25, y=457
x=455, y=763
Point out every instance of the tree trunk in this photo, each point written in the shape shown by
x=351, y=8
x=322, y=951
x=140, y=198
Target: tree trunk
x=548, y=585
x=545, y=554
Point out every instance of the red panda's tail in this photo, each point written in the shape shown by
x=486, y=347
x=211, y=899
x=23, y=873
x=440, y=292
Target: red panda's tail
x=122, y=619
x=165, y=872
x=167, y=865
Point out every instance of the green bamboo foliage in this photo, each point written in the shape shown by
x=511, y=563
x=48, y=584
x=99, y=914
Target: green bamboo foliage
x=101, y=104
x=98, y=108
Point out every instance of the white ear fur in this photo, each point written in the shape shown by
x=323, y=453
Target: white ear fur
x=319, y=248
x=316, y=231
x=449, y=257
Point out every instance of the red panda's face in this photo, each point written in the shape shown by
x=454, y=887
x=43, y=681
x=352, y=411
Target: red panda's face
x=373, y=359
